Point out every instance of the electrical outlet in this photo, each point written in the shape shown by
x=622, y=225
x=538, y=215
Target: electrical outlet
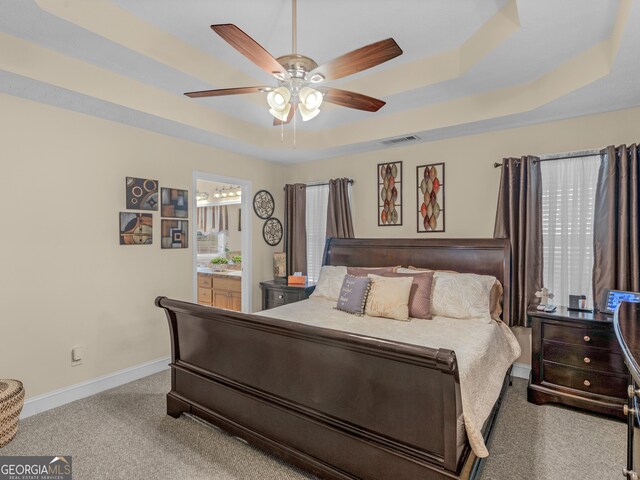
x=77, y=355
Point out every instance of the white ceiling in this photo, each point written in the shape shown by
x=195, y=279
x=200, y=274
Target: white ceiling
x=534, y=40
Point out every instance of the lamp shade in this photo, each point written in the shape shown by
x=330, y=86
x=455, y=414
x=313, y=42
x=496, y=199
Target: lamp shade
x=307, y=114
x=281, y=114
x=310, y=98
x=279, y=99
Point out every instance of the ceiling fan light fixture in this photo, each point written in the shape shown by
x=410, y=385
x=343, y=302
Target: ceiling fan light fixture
x=316, y=78
x=307, y=114
x=279, y=98
x=310, y=98
x=281, y=114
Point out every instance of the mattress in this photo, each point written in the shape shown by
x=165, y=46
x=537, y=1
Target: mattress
x=484, y=351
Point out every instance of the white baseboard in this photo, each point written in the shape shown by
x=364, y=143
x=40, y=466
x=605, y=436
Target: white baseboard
x=54, y=399
x=521, y=370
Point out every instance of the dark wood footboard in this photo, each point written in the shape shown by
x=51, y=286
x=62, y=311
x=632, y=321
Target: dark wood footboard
x=340, y=405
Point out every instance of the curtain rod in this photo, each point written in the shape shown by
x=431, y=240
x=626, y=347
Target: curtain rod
x=552, y=158
x=324, y=182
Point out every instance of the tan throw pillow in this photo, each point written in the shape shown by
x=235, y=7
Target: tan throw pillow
x=420, y=296
x=389, y=297
x=329, y=283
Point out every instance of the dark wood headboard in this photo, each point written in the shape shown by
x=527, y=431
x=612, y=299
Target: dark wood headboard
x=484, y=256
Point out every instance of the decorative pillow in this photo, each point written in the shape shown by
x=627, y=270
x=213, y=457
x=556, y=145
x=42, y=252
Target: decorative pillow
x=461, y=295
x=353, y=294
x=329, y=283
x=389, y=297
x=364, y=271
x=420, y=296
x=495, y=297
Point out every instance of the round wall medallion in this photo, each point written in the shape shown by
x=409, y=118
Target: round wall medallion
x=272, y=232
x=263, y=204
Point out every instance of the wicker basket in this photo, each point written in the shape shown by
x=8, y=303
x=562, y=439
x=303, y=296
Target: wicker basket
x=11, y=401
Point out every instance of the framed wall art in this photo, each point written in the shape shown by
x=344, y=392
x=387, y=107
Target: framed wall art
x=174, y=203
x=174, y=234
x=430, y=198
x=136, y=228
x=142, y=194
x=389, y=194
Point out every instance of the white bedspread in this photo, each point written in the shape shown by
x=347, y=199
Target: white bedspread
x=484, y=350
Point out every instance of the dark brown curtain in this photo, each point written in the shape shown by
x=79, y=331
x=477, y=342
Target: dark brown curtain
x=518, y=218
x=616, y=226
x=295, y=226
x=339, y=221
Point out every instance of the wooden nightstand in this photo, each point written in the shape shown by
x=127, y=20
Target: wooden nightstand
x=576, y=361
x=275, y=294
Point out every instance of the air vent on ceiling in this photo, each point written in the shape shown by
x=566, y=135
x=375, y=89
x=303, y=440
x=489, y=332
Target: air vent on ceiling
x=397, y=140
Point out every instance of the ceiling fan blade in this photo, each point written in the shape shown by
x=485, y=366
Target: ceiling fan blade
x=358, y=60
x=227, y=91
x=352, y=100
x=251, y=49
x=292, y=112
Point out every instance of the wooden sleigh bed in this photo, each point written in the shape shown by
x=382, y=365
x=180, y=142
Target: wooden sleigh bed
x=337, y=404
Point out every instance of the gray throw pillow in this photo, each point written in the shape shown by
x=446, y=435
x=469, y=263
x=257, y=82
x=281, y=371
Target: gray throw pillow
x=353, y=294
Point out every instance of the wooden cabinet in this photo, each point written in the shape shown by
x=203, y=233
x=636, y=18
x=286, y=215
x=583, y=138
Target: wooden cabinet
x=220, y=291
x=275, y=294
x=576, y=361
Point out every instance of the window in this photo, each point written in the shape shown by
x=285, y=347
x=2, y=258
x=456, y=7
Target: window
x=568, y=191
x=317, y=203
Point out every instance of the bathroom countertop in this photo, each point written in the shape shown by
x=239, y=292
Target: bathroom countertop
x=220, y=273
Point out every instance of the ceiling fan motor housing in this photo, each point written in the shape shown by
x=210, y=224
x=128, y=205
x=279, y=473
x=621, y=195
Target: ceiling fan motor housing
x=297, y=65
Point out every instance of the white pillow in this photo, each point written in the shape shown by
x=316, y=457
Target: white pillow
x=389, y=297
x=462, y=295
x=329, y=282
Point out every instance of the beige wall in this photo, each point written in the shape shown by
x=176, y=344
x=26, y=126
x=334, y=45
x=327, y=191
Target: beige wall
x=65, y=280
x=471, y=183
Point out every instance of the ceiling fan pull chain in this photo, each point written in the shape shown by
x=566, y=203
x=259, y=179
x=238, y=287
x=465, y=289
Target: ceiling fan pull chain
x=294, y=130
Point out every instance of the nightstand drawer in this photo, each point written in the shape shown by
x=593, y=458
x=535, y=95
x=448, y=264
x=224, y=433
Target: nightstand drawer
x=581, y=336
x=586, y=381
x=276, y=296
x=583, y=357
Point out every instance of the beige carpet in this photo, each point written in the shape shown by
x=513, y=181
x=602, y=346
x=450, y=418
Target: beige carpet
x=124, y=434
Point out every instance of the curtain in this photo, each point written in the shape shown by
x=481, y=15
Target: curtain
x=339, y=222
x=568, y=190
x=213, y=219
x=518, y=219
x=295, y=205
x=616, y=236
x=317, y=203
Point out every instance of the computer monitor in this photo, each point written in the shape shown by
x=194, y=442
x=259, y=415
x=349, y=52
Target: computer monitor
x=612, y=299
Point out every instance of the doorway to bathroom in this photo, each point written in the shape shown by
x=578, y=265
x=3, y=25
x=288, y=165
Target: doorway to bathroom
x=222, y=239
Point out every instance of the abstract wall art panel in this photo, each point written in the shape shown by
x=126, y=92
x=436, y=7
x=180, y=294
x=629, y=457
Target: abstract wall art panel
x=136, y=228
x=389, y=194
x=142, y=194
x=174, y=234
x=174, y=203
x=430, y=198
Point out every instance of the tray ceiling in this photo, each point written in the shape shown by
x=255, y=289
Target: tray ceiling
x=468, y=66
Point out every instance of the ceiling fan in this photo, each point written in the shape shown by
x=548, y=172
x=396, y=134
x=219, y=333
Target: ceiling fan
x=300, y=79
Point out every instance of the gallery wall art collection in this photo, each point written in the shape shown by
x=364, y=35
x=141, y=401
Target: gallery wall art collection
x=137, y=228
x=429, y=186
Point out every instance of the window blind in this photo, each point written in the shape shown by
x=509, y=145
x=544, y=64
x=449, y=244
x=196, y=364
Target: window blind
x=568, y=192
x=317, y=203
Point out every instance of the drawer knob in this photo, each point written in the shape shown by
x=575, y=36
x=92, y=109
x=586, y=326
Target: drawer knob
x=632, y=392
x=587, y=338
x=587, y=383
x=280, y=297
x=587, y=360
x=628, y=411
